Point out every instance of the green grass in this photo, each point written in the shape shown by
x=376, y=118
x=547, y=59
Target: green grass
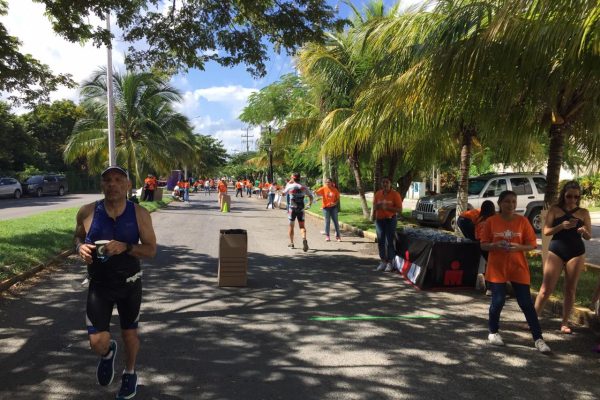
x=29, y=241
x=587, y=282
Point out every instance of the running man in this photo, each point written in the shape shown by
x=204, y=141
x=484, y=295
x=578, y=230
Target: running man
x=116, y=279
x=295, y=207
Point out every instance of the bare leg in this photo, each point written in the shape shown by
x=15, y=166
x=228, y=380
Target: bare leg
x=303, y=233
x=100, y=342
x=572, y=273
x=132, y=346
x=552, y=270
x=291, y=232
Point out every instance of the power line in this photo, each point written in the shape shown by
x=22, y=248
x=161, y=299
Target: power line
x=247, y=137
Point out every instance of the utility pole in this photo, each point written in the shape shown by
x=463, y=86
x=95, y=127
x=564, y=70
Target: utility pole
x=112, y=156
x=270, y=149
x=247, y=137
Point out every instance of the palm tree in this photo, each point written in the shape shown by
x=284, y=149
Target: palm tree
x=149, y=134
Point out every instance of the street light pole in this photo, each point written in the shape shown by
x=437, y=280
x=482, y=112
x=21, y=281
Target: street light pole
x=112, y=157
x=270, y=177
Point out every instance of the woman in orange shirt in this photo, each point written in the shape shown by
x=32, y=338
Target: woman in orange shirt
x=387, y=204
x=507, y=236
x=331, y=197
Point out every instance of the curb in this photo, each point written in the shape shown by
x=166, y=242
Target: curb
x=7, y=283
x=349, y=228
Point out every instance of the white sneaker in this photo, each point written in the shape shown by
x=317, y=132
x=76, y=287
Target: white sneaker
x=388, y=267
x=496, y=339
x=380, y=267
x=542, y=346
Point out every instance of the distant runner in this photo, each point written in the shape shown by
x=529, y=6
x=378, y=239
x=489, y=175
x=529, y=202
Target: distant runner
x=295, y=207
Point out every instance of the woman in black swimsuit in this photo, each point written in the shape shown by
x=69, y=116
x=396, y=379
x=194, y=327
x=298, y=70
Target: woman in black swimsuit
x=567, y=223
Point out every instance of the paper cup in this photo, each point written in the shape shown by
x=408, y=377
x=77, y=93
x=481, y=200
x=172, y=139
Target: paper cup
x=100, y=250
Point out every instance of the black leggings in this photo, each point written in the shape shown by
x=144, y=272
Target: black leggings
x=102, y=299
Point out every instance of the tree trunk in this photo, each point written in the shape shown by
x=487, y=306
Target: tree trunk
x=355, y=166
x=377, y=177
x=333, y=167
x=462, y=197
x=555, y=158
x=131, y=175
x=393, y=163
x=325, y=167
x=404, y=182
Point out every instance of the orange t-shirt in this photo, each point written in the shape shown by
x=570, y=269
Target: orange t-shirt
x=238, y=185
x=472, y=214
x=503, y=266
x=392, y=198
x=222, y=187
x=331, y=196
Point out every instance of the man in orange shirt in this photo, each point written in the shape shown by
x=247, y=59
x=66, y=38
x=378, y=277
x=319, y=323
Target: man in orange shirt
x=387, y=204
x=238, y=189
x=150, y=184
x=222, y=188
x=331, y=197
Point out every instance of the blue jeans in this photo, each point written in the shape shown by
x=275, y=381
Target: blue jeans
x=525, y=303
x=331, y=213
x=271, y=200
x=386, y=231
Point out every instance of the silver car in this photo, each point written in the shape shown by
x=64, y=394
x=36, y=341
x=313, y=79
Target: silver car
x=10, y=187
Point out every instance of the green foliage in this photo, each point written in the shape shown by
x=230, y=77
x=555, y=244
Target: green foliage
x=17, y=147
x=51, y=125
x=590, y=189
x=212, y=156
x=22, y=77
x=189, y=33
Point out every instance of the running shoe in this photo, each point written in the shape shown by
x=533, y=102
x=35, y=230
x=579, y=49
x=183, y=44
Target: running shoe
x=542, y=346
x=128, y=386
x=389, y=267
x=106, y=366
x=327, y=239
x=305, y=245
x=291, y=245
x=381, y=266
x=496, y=339
x=338, y=239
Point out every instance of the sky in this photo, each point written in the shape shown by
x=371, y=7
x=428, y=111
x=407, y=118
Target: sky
x=212, y=99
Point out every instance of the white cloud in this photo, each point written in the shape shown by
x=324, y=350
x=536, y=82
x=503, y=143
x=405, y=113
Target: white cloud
x=26, y=21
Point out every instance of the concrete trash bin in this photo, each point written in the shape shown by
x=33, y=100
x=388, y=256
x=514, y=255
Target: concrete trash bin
x=233, y=258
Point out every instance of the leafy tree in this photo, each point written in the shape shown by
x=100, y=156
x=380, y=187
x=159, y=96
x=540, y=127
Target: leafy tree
x=51, y=125
x=149, y=134
x=189, y=33
x=17, y=148
x=23, y=78
x=211, y=153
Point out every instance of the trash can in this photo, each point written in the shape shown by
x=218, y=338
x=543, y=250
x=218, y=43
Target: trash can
x=233, y=258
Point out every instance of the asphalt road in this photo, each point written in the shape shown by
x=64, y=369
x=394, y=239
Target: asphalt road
x=200, y=341
x=25, y=206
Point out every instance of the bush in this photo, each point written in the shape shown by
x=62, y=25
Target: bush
x=590, y=189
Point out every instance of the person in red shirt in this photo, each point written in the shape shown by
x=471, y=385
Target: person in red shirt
x=331, y=198
x=387, y=203
x=507, y=236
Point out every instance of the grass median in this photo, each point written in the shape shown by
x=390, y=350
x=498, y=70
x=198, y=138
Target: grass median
x=29, y=241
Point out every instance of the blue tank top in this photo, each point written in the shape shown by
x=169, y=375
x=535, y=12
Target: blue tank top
x=124, y=229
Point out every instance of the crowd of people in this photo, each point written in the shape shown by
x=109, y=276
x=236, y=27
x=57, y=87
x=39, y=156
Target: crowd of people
x=113, y=234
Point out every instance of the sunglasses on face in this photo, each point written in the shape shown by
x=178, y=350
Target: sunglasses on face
x=572, y=196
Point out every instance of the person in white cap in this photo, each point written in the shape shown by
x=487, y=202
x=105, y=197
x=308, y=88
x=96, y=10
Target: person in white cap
x=111, y=236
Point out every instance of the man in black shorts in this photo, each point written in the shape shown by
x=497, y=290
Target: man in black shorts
x=295, y=193
x=111, y=236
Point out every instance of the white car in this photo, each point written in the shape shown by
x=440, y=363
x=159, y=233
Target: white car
x=10, y=187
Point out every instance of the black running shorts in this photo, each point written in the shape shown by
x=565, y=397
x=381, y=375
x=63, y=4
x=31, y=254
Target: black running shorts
x=102, y=299
x=294, y=213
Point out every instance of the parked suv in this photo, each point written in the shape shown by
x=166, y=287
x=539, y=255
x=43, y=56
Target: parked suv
x=10, y=187
x=530, y=188
x=39, y=185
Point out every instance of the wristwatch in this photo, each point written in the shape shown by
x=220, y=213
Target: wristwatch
x=129, y=248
